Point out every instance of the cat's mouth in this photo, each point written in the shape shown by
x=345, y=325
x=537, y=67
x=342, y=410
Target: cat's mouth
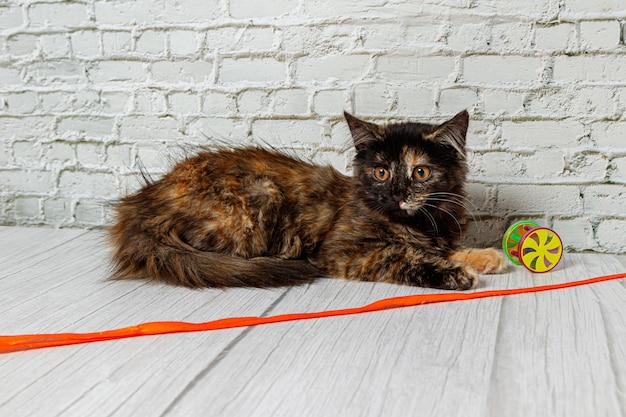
x=410, y=207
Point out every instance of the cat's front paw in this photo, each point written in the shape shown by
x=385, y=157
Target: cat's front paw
x=485, y=261
x=460, y=277
x=453, y=276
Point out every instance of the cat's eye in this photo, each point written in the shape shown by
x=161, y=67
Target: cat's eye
x=382, y=174
x=421, y=173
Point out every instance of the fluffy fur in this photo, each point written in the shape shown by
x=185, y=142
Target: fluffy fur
x=256, y=217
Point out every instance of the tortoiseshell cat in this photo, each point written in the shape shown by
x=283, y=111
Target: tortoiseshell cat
x=255, y=217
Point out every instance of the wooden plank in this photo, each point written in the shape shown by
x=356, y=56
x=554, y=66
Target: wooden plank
x=74, y=295
x=18, y=243
x=552, y=356
x=431, y=360
x=544, y=354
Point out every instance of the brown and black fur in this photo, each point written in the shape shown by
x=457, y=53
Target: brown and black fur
x=256, y=217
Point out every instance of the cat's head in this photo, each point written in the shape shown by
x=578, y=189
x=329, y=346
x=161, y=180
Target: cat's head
x=411, y=170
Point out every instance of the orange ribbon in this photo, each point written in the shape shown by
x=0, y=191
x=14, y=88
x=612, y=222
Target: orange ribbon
x=36, y=341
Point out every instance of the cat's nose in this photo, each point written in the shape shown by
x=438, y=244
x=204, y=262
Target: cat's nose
x=398, y=198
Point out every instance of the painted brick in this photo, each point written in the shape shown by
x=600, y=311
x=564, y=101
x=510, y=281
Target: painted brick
x=452, y=101
x=56, y=210
x=474, y=37
x=550, y=200
x=217, y=103
x=335, y=8
x=587, y=166
x=222, y=129
x=150, y=102
x=26, y=127
x=576, y=234
x=58, y=13
x=542, y=134
x=183, y=42
x=140, y=12
x=54, y=46
x=605, y=200
x=387, y=36
x=543, y=166
x=374, y=99
x=501, y=69
x=582, y=6
x=82, y=183
x=609, y=134
x=85, y=43
x=20, y=103
x=332, y=67
x=287, y=131
x=182, y=71
x=26, y=151
x=502, y=102
x=11, y=17
x=245, y=9
x=590, y=68
x=86, y=127
x=254, y=102
x=513, y=37
x=481, y=134
x=115, y=102
x=10, y=76
x=88, y=87
x=603, y=34
x=416, y=69
x=245, y=39
x=59, y=153
x=415, y=102
x=291, y=102
x=90, y=154
x=151, y=42
x=594, y=101
x=234, y=70
x=119, y=156
x=36, y=182
x=27, y=207
x=117, y=43
x=129, y=12
x=610, y=235
x=22, y=44
x=483, y=233
x=203, y=11
x=117, y=71
x=559, y=37
x=145, y=128
x=619, y=174
x=330, y=102
x=88, y=212
x=183, y=103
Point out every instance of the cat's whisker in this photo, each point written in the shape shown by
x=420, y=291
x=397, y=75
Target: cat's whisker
x=449, y=214
x=430, y=218
x=463, y=198
x=459, y=203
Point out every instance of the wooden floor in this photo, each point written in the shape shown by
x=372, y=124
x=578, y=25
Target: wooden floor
x=559, y=353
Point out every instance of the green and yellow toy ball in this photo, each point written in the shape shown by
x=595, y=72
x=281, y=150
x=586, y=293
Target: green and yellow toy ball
x=538, y=249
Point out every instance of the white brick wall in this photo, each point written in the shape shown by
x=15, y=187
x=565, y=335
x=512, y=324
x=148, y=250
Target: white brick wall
x=90, y=91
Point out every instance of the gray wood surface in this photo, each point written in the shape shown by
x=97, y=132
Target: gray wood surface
x=559, y=353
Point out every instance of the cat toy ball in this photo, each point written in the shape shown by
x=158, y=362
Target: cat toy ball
x=538, y=249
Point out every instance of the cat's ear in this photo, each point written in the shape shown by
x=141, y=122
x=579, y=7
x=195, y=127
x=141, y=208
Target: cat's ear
x=363, y=133
x=453, y=132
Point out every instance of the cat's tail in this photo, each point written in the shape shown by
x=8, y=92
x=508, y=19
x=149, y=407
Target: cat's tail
x=179, y=264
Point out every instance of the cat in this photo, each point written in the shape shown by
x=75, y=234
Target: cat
x=255, y=217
